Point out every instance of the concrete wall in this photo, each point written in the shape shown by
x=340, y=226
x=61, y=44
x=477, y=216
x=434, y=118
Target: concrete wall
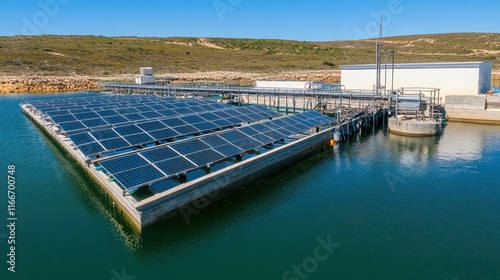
x=452, y=78
x=231, y=178
x=473, y=109
x=471, y=102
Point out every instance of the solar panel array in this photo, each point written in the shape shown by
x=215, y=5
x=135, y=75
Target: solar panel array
x=141, y=133
x=99, y=124
x=143, y=168
x=76, y=115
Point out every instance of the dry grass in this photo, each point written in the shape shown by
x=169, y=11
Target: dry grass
x=104, y=56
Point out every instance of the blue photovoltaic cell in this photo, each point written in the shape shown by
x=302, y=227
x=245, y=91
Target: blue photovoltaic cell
x=173, y=122
x=248, y=130
x=162, y=134
x=159, y=154
x=91, y=148
x=232, y=136
x=274, y=135
x=70, y=126
x=204, y=157
x=86, y=116
x=107, y=113
x=189, y=146
x=186, y=129
x=63, y=118
x=157, y=107
x=167, y=113
x=94, y=123
x=115, y=120
x=205, y=126
x=57, y=113
x=229, y=150
x=183, y=111
x=214, y=140
x=261, y=128
x=209, y=116
x=247, y=144
x=104, y=134
x=192, y=119
x=151, y=126
x=174, y=166
x=137, y=139
x=263, y=139
x=245, y=118
x=124, y=163
x=235, y=120
x=128, y=130
x=152, y=115
x=222, y=123
x=138, y=177
x=81, y=138
x=135, y=117
x=125, y=111
x=114, y=144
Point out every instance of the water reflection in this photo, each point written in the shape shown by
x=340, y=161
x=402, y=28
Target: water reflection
x=463, y=142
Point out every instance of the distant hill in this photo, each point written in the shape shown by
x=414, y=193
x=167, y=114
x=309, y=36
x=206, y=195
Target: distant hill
x=103, y=56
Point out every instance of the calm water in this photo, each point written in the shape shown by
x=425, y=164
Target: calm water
x=395, y=207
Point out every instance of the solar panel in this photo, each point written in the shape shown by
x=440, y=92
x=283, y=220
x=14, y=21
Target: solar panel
x=91, y=148
x=115, y=120
x=120, y=164
x=175, y=165
x=128, y=130
x=205, y=126
x=173, y=122
x=81, y=138
x=192, y=119
x=248, y=130
x=159, y=154
x=189, y=146
x=92, y=123
x=71, y=126
x=104, y=134
x=152, y=115
x=214, y=140
x=86, y=116
x=229, y=150
x=263, y=139
x=135, y=117
x=151, y=126
x=138, y=139
x=63, y=118
x=114, y=144
x=162, y=134
x=204, y=157
x=137, y=177
x=107, y=113
x=232, y=136
x=247, y=144
x=186, y=129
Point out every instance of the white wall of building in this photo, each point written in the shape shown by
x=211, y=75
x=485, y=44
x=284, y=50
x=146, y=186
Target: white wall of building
x=462, y=78
x=300, y=85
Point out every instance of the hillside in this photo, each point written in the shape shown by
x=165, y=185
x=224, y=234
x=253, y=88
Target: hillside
x=104, y=56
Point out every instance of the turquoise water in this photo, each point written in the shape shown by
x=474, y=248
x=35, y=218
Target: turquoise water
x=392, y=207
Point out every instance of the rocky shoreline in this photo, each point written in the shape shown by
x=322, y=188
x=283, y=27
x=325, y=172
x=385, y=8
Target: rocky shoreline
x=35, y=84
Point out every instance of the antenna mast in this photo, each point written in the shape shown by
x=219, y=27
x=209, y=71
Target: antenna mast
x=379, y=61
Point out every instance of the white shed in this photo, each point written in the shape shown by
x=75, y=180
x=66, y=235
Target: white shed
x=453, y=78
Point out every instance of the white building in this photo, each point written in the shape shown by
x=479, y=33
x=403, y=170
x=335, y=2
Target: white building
x=146, y=76
x=452, y=78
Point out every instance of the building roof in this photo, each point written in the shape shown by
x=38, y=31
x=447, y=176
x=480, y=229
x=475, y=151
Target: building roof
x=439, y=65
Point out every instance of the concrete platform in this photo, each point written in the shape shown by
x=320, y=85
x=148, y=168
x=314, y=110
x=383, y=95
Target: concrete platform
x=473, y=109
x=413, y=127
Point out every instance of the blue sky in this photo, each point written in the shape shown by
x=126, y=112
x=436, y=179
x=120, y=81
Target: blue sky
x=313, y=20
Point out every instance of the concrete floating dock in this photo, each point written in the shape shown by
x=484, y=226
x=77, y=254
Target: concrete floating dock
x=214, y=185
